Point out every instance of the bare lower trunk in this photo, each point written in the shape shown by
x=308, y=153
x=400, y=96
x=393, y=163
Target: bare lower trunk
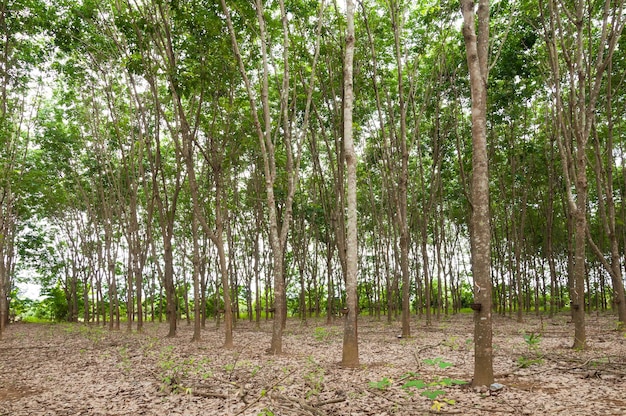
x=196, y=282
x=170, y=289
x=577, y=292
x=276, y=345
x=228, y=307
x=4, y=306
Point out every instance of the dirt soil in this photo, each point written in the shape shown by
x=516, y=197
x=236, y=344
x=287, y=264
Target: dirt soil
x=68, y=369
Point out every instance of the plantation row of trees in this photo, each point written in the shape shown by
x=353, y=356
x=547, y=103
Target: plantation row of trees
x=160, y=154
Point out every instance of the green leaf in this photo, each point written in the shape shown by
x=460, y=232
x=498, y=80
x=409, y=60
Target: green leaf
x=449, y=382
x=380, y=385
x=418, y=384
x=433, y=394
x=438, y=362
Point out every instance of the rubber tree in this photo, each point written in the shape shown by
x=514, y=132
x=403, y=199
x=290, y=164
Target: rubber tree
x=350, y=357
x=477, y=48
x=580, y=39
x=293, y=126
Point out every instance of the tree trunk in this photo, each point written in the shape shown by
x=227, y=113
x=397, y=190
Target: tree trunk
x=4, y=278
x=554, y=303
x=350, y=357
x=228, y=307
x=330, y=298
x=428, y=297
x=168, y=281
x=477, y=47
x=196, y=281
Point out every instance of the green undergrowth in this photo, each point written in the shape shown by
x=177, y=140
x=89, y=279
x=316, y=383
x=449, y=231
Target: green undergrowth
x=533, y=355
x=433, y=388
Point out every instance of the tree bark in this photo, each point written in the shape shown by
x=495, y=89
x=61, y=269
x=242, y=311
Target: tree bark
x=196, y=281
x=480, y=233
x=350, y=357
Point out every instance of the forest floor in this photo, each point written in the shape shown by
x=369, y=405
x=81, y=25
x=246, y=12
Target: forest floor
x=65, y=369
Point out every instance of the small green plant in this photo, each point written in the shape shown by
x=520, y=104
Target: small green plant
x=323, y=334
x=383, y=384
x=320, y=333
x=452, y=343
x=266, y=412
x=172, y=372
x=432, y=394
x=525, y=362
x=532, y=340
x=433, y=391
x=150, y=346
x=437, y=362
x=314, y=378
x=125, y=365
x=533, y=357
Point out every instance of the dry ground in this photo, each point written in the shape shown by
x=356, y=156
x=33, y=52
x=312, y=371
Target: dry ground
x=79, y=370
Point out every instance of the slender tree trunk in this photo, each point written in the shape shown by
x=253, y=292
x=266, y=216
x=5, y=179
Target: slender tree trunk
x=228, y=307
x=197, y=324
x=204, y=277
x=170, y=289
x=330, y=298
x=4, y=304
x=554, y=304
x=257, y=270
x=477, y=48
x=350, y=356
x=427, y=278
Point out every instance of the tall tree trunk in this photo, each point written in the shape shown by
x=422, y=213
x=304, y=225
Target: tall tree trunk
x=477, y=48
x=257, y=266
x=549, y=212
x=403, y=177
x=350, y=357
